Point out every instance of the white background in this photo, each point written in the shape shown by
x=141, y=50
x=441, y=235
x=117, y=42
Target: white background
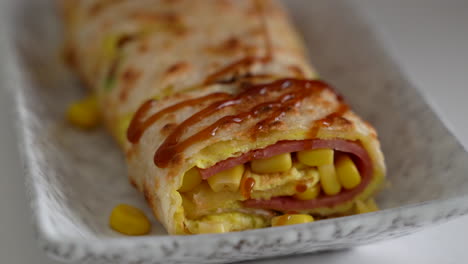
x=428, y=38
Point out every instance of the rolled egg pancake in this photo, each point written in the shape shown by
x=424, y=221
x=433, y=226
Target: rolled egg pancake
x=224, y=124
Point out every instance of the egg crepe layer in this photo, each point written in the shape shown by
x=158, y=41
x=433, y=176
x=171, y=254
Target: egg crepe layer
x=215, y=106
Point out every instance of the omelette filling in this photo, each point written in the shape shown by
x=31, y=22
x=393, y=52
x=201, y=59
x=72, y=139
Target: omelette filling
x=217, y=204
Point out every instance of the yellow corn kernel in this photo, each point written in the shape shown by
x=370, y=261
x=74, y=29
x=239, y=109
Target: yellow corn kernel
x=291, y=219
x=347, y=173
x=316, y=157
x=84, y=113
x=278, y=163
x=309, y=194
x=192, y=178
x=329, y=180
x=211, y=228
x=228, y=180
x=129, y=220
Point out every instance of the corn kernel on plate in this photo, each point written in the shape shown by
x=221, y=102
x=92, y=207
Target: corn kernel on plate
x=83, y=202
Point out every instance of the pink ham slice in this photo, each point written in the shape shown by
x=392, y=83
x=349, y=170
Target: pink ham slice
x=360, y=157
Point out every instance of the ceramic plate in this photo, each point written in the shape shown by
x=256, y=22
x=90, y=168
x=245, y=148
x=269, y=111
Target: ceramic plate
x=76, y=178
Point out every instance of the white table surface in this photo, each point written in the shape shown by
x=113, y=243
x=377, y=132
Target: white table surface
x=428, y=38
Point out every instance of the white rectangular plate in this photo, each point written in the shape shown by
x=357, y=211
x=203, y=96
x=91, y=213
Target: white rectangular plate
x=76, y=178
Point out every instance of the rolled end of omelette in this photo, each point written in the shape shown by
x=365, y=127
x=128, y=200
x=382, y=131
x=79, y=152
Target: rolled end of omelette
x=235, y=161
x=223, y=123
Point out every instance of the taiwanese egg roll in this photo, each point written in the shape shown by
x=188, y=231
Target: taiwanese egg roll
x=224, y=124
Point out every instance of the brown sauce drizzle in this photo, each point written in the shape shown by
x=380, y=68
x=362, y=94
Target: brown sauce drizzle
x=235, y=66
x=297, y=91
x=328, y=120
x=287, y=102
x=140, y=123
x=246, y=187
x=301, y=188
